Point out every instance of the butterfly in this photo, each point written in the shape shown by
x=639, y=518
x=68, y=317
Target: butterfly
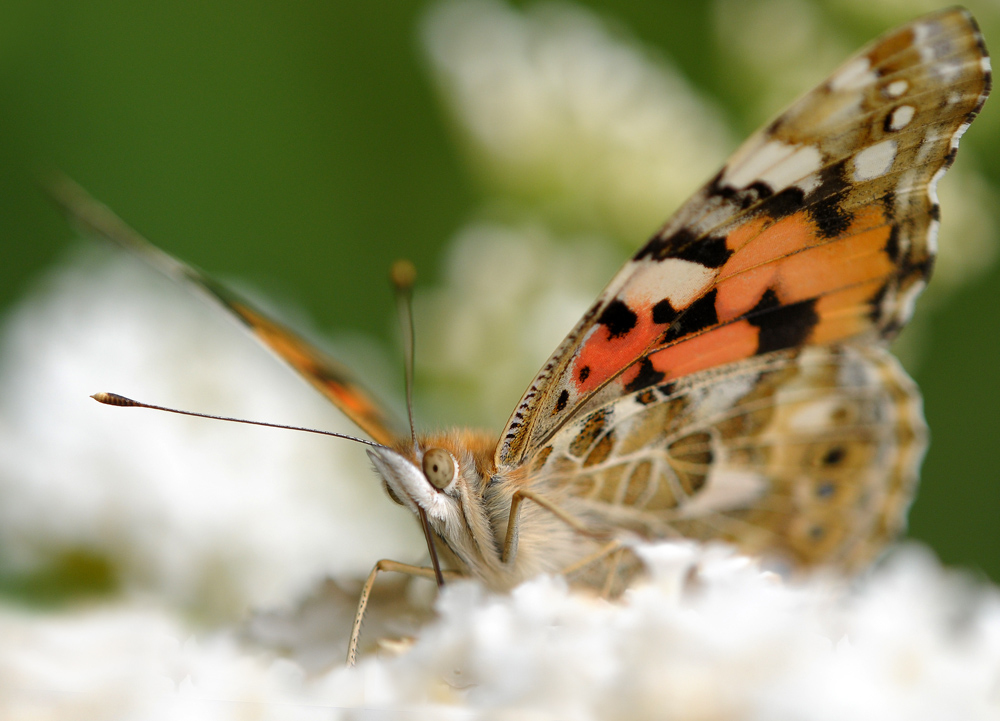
x=732, y=382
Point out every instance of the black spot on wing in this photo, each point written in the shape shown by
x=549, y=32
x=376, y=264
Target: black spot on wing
x=834, y=456
x=760, y=189
x=647, y=376
x=684, y=244
x=646, y=397
x=935, y=211
x=618, y=318
x=892, y=244
x=699, y=315
x=916, y=268
x=667, y=389
x=657, y=248
x=876, y=304
x=782, y=326
x=583, y=374
x=664, y=313
x=830, y=218
x=823, y=202
x=757, y=192
x=710, y=252
x=889, y=204
x=788, y=201
x=561, y=402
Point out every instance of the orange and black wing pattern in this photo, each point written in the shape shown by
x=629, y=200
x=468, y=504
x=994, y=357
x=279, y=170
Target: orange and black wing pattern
x=819, y=230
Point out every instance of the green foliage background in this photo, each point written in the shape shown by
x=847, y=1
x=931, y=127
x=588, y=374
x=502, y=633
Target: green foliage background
x=301, y=146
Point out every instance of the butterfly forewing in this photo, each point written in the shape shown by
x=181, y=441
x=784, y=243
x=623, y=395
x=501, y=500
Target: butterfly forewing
x=819, y=230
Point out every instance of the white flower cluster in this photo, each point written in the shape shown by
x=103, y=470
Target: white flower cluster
x=204, y=515
x=708, y=637
x=198, y=526
x=585, y=124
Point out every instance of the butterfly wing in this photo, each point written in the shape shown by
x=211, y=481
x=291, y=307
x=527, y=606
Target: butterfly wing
x=328, y=376
x=808, y=455
x=820, y=230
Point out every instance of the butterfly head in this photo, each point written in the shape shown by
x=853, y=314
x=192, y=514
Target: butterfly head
x=444, y=478
x=430, y=482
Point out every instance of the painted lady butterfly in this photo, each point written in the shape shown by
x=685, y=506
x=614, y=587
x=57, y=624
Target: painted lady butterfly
x=732, y=381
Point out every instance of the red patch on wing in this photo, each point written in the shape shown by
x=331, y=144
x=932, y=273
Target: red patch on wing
x=603, y=356
x=724, y=344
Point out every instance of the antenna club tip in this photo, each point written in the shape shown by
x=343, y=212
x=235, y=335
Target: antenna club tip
x=113, y=399
x=403, y=274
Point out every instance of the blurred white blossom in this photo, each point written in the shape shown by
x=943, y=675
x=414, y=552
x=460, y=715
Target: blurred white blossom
x=209, y=516
x=582, y=129
x=708, y=637
x=581, y=121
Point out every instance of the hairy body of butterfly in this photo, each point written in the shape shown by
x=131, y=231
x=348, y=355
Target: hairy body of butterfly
x=733, y=380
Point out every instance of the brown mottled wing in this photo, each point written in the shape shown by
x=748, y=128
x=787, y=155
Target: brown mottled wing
x=819, y=230
x=325, y=374
x=810, y=456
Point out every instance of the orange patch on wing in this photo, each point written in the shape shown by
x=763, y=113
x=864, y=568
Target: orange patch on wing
x=845, y=313
x=782, y=238
x=792, y=259
x=745, y=232
x=724, y=344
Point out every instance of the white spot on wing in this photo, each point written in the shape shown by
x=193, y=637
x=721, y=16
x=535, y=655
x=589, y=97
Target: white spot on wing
x=679, y=281
x=874, y=161
x=803, y=162
x=777, y=164
x=855, y=75
x=948, y=71
x=896, y=88
x=901, y=117
x=744, y=171
x=908, y=299
x=815, y=416
x=724, y=490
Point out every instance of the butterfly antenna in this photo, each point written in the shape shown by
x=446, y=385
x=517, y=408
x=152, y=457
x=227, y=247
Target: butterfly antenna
x=403, y=275
x=113, y=399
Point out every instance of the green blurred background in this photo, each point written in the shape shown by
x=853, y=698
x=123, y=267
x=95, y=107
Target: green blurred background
x=301, y=146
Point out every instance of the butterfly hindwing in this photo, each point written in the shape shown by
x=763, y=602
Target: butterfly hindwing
x=819, y=230
x=328, y=376
x=808, y=455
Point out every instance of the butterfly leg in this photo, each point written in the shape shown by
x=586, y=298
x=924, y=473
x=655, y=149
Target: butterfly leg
x=510, y=539
x=601, y=553
x=366, y=590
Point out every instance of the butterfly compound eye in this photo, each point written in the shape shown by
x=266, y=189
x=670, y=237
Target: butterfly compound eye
x=439, y=467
